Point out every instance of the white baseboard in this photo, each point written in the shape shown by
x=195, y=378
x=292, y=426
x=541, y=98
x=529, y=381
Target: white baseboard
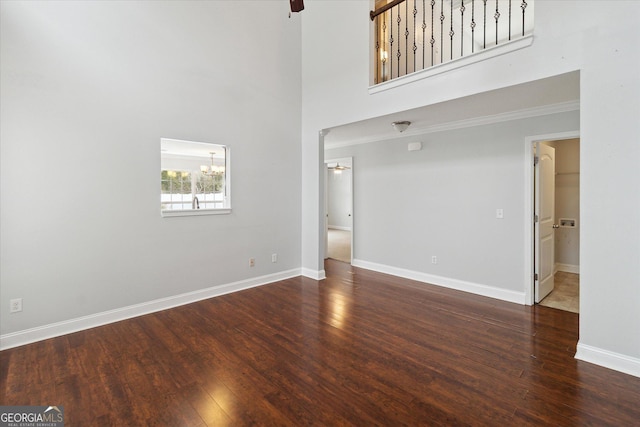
x=39, y=333
x=608, y=359
x=314, y=274
x=460, y=285
x=567, y=268
x=338, y=227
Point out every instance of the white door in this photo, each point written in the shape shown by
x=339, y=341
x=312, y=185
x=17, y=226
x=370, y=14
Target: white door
x=545, y=172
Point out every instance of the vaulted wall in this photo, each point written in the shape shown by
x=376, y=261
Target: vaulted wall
x=87, y=91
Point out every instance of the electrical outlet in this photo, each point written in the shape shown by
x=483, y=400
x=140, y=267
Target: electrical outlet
x=274, y=257
x=252, y=262
x=500, y=213
x=15, y=305
x=434, y=259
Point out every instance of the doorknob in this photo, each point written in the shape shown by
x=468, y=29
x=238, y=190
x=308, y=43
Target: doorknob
x=556, y=226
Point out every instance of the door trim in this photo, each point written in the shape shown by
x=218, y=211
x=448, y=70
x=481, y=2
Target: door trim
x=529, y=194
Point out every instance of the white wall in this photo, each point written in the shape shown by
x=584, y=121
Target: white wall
x=600, y=39
x=87, y=91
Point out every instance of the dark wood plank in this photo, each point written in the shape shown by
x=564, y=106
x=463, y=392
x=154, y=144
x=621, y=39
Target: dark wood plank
x=359, y=348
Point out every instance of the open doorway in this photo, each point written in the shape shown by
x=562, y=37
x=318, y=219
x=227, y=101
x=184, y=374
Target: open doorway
x=339, y=209
x=557, y=224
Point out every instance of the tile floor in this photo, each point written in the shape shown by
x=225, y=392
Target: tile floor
x=566, y=293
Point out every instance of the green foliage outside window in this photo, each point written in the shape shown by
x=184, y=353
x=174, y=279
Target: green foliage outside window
x=209, y=184
x=175, y=182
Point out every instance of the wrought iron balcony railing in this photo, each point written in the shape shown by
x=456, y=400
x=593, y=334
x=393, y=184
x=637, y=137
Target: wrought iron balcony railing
x=414, y=35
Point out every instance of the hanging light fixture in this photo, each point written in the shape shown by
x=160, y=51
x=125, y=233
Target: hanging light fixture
x=340, y=167
x=401, y=126
x=212, y=170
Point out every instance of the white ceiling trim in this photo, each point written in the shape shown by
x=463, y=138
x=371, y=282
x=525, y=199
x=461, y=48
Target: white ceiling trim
x=544, y=110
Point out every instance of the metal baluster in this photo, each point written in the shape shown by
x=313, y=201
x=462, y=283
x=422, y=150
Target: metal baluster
x=424, y=27
x=451, y=32
x=523, y=6
x=484, y=30
x=462, y=9
x=399, y=54
x=386, y=45
x=473, y=25
x=509, y=19
x=497, y=16
x=415, y=46
x=390, y=44
x=441, y=31
x=406, y=38
x=433, y=40
x=378, y=57
x=384, y=42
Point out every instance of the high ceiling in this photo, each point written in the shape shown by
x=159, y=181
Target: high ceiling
x=558, y=93
x=178, y=147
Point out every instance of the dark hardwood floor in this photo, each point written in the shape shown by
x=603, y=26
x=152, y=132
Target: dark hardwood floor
x=359, y=348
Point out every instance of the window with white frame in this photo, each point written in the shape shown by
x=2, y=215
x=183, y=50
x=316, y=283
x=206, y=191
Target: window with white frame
x=194, y=178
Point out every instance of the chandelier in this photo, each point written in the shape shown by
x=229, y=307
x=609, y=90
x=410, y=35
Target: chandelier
x=212, y=170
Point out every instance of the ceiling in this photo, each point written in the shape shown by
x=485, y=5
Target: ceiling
x=191, y=149
x=553, y=94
